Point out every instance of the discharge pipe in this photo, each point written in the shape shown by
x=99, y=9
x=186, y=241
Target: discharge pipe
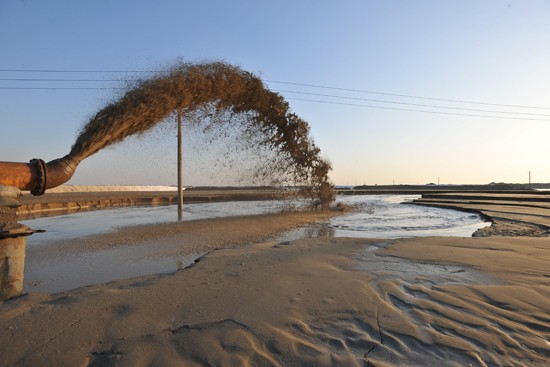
x=38, y=176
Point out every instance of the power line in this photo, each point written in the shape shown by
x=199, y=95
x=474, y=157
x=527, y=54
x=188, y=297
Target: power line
x=65, y=80
x=411, y=104
x=61, y=88
x=265, y=80
x=339, y=103
x=73, y=71
x=403, y=95
x=421, y=111
x=275, y=90
x=316, y=101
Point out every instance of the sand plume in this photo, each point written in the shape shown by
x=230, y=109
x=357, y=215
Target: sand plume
x=228, y=91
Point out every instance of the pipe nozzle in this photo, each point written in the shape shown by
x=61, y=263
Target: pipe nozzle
x=38, y=176
x=60, y=171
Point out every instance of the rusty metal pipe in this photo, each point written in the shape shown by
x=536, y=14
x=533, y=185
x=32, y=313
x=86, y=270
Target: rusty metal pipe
x=18, y=175
x=37, y=176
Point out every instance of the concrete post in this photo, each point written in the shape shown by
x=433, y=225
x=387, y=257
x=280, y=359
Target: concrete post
x=13, y=239
x=12, y=266
x=180, y=166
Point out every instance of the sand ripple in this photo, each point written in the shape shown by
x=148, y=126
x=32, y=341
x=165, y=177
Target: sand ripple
x=311, y=302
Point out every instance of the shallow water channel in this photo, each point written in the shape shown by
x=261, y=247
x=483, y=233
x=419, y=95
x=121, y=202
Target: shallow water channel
x=382, y=216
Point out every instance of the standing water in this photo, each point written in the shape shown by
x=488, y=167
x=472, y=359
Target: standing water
x=385, y=216
x=374, y=216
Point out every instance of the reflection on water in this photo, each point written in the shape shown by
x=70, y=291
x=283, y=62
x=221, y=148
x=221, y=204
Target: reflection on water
x=411, y=272
x=57, y=274
x=384, y=216
x=101, y=221
x=374, y=216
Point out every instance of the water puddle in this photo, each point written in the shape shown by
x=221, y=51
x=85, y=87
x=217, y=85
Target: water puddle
x=417, y=273
x=376, y=217
x=101, y=221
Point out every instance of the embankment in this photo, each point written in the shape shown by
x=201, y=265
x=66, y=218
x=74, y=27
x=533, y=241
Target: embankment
x=511, y=214
x=68, y=202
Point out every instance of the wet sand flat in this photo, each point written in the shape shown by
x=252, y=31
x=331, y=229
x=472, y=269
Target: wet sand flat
x=441, y=301
x=60, y=201
x=303, y=303
x=526, y=214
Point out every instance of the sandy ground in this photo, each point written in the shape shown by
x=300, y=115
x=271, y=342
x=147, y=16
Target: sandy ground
x=109, y=188
x=512, y=214
x=72, y=199
x=440, y=301
x=196, y=237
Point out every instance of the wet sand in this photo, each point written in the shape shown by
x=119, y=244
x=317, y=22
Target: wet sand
x=439, y=301
x=75, y=199
x=195, y=237
x=515, y=214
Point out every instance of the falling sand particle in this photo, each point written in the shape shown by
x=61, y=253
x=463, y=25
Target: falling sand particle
x=228, y=91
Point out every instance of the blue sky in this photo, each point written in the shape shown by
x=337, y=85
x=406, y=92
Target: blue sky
x=494, y=52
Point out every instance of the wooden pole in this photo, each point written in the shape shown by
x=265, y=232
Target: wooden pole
x=180, y=166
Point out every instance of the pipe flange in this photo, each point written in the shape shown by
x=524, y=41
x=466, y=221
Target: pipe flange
x=40, y=187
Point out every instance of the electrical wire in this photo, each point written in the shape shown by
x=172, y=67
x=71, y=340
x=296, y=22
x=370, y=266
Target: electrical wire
x=411, y=104
x=61, y=88
x=404, y=95
x=421, y=111
x=58, y=80
x=73, y=71
x=275, y=90
x=65, y=80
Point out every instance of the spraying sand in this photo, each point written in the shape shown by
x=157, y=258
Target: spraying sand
x=224, y=97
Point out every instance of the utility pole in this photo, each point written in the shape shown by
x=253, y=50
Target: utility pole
x=529, y=180
x=180, y=170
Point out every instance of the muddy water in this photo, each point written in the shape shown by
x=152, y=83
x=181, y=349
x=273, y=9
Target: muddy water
x=91, y=223
x=375, y=216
